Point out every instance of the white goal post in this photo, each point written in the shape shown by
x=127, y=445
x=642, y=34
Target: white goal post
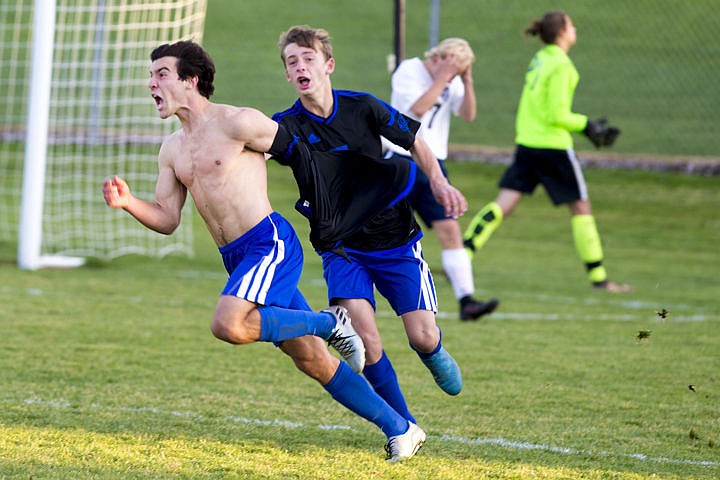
x=77, y=110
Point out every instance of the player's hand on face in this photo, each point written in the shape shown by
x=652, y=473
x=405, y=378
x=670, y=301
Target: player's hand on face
x=449, y=67
x=461, y=65
x=116, y=192
x=466, y=71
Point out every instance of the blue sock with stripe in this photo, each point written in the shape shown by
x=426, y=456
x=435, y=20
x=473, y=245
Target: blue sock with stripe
x=278, y=324
x=352, y=391
x=384, y=381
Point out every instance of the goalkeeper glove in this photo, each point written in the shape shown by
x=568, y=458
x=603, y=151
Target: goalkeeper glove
x=600, y=133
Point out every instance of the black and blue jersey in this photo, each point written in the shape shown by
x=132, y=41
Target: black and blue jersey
x=352, y=196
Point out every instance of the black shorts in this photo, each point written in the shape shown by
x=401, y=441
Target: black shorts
x=421, y=197
x=558, y=170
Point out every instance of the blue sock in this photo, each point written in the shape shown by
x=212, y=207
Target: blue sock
x=383, y=379
x=352, y=391
x=278, y=324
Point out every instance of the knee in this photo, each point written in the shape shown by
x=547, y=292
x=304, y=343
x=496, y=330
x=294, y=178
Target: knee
x=230, y=330
x=373, y=346
x=580, y=207
x=320, y=369
x=312, y=358
x=425, y=340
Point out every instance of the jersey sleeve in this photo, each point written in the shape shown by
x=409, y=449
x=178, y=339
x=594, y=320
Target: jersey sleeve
x=393, y=125
x=406, y=90
x=285, y=147
x=457, y=94
x=561, y=88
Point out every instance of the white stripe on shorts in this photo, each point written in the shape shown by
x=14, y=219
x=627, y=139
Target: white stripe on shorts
x=258, y=280
x=582, y=186
x=428, y=299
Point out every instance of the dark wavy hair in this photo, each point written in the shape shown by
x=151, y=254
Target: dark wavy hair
x=192, y=61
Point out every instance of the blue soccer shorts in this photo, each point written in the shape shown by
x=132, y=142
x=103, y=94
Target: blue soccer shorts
x=265, y=265
x=401, y=275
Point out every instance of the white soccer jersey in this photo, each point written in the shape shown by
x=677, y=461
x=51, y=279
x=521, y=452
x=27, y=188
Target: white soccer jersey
x=410, y=80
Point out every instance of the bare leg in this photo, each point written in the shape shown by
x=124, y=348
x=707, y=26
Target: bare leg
x=422, y=330
x=311, y=357
x=236, y=320
x=363, y=320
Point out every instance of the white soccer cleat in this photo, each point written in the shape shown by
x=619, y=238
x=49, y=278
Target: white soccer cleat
x=402, y=447
x=345, y=340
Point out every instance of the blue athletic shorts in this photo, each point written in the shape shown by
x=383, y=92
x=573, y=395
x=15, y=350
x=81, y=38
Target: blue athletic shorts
x=558, y=170
x=421, y=197
x=400, y=274
x=265, y=265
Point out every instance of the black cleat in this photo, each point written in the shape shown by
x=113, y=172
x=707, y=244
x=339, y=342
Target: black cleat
x=472, y=309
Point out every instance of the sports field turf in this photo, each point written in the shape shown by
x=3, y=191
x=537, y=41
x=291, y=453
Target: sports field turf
x=109, y=371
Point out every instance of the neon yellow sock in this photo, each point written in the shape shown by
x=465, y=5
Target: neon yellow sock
x=588, y=246
x=485, y=222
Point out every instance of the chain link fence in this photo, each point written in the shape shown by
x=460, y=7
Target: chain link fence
x=651, y=66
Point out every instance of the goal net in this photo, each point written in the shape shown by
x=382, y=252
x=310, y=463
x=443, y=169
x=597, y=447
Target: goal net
x=98, y=120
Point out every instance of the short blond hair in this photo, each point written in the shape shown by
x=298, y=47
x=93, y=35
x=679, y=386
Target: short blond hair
x=453, y=46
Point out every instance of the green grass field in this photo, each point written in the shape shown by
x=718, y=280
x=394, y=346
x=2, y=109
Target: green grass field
x=109, y=371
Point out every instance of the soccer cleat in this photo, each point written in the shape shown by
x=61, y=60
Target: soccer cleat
x=445, y=371
x=612, y=287
x=345, y=340
x=402, y=447
x=473, y=309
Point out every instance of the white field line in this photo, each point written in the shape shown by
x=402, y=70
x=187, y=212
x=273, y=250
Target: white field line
x=639, y=311
x=498, y=442
x=636, y=309
x=627, y=317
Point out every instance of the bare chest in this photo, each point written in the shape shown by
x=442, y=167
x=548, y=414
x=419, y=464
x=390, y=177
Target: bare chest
x=206, y=159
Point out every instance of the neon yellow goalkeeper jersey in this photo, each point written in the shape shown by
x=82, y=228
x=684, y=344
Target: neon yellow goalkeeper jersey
x=544, y=118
